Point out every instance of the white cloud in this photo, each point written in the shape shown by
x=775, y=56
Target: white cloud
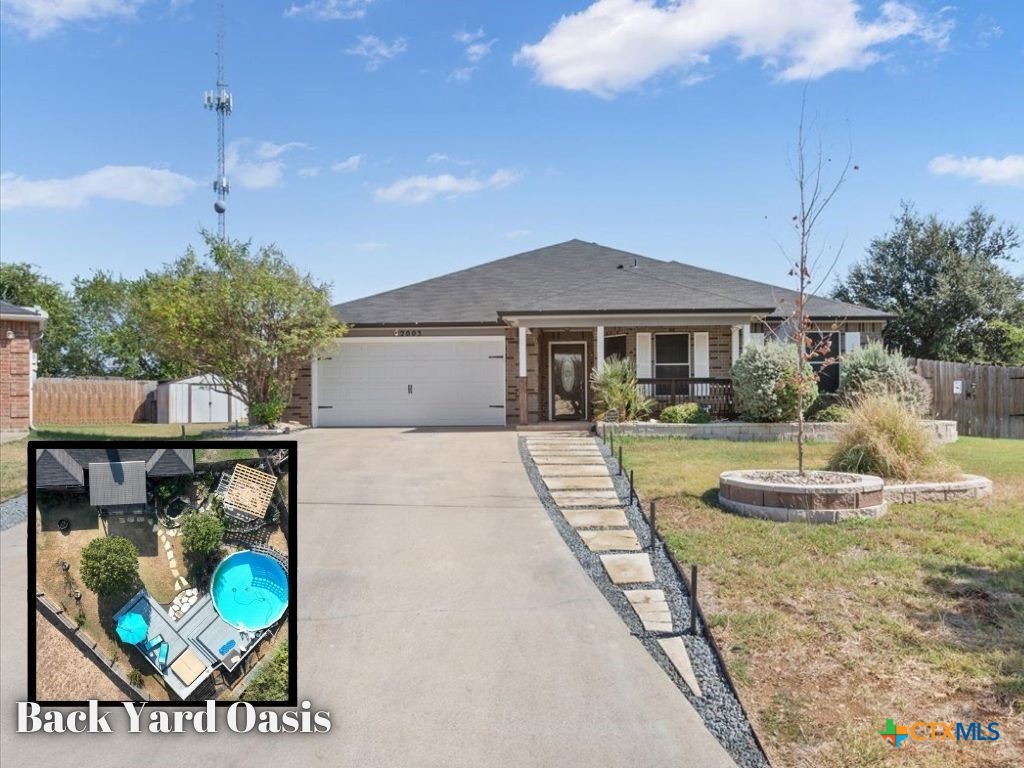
x=309, y=173
x=616, y=45
x=257, y=165
x=38, y=18
x=370, y=246
x=476, y=49
x=442, y=157
x=268, y=150
x=329, y=10
x=124, y=183
x=517, y=234
x=349, y=164
x=376, y=51
x=461, y=74
x=1003, y=171
x=421, y=189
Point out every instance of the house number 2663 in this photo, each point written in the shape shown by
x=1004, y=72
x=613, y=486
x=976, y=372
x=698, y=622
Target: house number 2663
x=408, y=332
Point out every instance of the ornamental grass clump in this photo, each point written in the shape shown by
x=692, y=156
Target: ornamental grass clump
x=882, y=437
x=615, y=389
x=766, y=381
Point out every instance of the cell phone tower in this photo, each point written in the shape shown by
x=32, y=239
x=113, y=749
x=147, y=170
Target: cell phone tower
x=220, y=101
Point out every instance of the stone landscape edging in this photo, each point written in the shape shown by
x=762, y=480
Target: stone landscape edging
x=967, y=488
x=943, y=431
x=792, y=502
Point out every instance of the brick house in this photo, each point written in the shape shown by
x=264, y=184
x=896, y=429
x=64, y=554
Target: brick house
x=21, y=328
x=513, y=341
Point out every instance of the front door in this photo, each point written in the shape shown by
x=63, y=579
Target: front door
x=568, y=380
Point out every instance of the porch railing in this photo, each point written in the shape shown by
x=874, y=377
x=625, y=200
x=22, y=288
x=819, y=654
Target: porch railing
x=714, y=395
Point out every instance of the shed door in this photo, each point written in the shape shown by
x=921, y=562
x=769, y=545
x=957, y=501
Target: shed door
x=424, y=381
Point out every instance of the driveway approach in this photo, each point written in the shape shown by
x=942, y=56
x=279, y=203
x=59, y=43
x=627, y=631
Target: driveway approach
x=442, y=622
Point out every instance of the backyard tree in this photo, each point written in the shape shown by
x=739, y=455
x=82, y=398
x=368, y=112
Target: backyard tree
x=245, y=316
x=111, y=339
x=946, y=286
x=110, y=565
x=21, y=284
x=201, y=535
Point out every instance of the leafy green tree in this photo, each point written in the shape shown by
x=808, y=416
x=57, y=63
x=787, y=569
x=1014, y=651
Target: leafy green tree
x=946, y=285
x=111, y=339
x=201, y=534
x=1003, y=343
x=110, y=565
x=23, y=285
x=248, y=318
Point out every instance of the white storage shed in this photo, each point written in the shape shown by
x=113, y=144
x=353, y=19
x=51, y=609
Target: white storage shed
x=197, y=400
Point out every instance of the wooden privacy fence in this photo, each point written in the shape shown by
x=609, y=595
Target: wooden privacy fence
x=984, y=400
x=93, y=401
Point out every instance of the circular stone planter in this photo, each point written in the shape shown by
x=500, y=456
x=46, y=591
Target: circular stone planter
x=784, y=496
x=967, y=488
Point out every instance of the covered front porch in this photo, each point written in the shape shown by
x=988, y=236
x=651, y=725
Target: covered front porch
x=678, y=359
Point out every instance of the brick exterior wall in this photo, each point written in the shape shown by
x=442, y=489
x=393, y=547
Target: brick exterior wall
x=16, y=373
x=538, y=355
x=299, y=408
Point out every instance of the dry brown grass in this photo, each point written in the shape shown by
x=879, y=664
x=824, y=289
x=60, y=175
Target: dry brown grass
x=830, y=629
x=64, y=673
x=95, y=614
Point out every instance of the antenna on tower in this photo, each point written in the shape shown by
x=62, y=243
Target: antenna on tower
x=220, y=101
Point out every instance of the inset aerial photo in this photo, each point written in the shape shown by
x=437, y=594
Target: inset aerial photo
x=162, y=573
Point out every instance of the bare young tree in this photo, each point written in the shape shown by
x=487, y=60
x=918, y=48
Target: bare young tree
x=817, y=185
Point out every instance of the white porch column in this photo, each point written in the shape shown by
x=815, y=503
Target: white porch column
x=736, y=342
x=522, y=389
x=522, y=350
x=600, y=348
x=745, y=337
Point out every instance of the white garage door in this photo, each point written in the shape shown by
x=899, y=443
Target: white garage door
x=425, y=381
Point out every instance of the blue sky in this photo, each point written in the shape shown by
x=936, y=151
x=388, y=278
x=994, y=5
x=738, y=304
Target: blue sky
x=381, y=142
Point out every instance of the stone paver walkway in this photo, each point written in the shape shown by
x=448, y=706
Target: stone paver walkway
x=573, y=468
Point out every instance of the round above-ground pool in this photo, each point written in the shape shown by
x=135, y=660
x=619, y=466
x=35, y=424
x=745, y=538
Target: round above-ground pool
x=250, y=590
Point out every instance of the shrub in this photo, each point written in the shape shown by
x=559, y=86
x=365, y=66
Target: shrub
x=684, y=413
x=135, y=678
x=201, y=534
x=268, y=413
x=270, y=683
x=873, y=370
x=832, y=413
x=110, y=565
x=615, y=389
x=883, y=438
x=766, y=381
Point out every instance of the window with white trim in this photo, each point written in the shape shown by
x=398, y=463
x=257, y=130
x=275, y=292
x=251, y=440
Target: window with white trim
x=672, y=356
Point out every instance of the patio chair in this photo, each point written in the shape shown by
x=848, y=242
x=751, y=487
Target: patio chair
x=152, y=643
x=162, y=655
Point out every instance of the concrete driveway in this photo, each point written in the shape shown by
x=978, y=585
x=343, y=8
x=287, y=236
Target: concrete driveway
x=442, y=621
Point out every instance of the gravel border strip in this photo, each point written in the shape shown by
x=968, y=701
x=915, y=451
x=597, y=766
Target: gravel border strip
x=13, y=511
x=718, y=707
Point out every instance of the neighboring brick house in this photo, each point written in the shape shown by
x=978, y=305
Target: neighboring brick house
x=21, y=328
x=513, y=341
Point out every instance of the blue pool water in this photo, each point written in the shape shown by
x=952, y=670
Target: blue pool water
x=250, y=590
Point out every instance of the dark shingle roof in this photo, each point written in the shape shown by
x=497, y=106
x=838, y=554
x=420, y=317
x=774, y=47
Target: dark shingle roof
x=576, y=276
x=56, y=469
x=62, y=468
x=117, y=483
x=6, y=308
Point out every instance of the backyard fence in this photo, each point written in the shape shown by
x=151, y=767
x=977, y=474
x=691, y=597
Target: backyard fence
x=984, y=400
x=93, y=401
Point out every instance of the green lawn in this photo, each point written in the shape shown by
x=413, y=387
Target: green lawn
x=14, y=455
x=830, y=629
